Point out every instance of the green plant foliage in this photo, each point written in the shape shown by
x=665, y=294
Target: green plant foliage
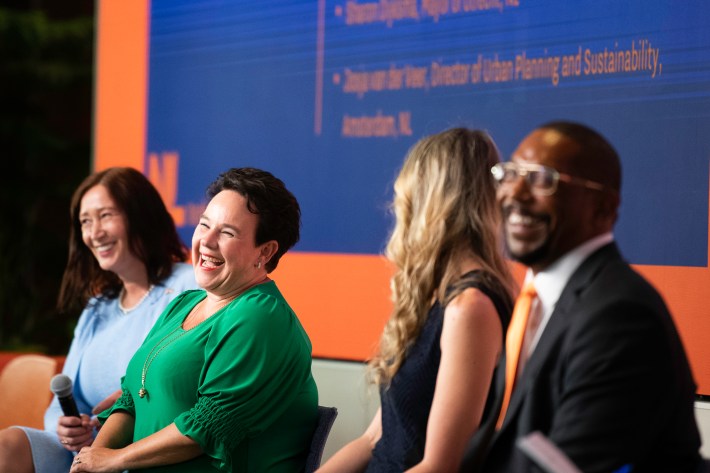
x=45, y=124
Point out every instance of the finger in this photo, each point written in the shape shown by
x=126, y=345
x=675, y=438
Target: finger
x=77, y=447
x=85, y=421
x=74, y=431
x=69, y=446
x=73, y=440
x=65, y=430
x=69, y=421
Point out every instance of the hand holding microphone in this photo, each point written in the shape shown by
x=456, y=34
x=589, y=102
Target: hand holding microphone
x=62, y=387
x=74, y=429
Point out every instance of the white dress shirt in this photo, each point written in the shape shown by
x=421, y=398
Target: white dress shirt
x=550, y=282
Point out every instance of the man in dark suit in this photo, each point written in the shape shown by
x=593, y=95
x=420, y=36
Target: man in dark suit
x=606, y=379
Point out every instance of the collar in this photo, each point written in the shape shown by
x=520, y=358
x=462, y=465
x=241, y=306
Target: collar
x=550, y=282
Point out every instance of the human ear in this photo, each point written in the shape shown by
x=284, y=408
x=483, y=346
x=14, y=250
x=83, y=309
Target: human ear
x=268, y=250
x=608, y=208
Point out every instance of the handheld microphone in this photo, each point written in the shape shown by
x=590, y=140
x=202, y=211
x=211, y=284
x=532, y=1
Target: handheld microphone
x=61, y=386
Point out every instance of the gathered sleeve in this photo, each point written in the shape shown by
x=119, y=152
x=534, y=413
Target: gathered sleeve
x=124, y=404
x=257, y=362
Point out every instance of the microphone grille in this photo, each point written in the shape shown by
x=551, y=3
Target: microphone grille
x=61, y=385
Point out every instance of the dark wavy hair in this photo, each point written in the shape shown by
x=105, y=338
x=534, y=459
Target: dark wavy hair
x=267, y=197
x=152, y=238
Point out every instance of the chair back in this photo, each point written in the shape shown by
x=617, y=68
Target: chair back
x=326, y=417
x=24, y=390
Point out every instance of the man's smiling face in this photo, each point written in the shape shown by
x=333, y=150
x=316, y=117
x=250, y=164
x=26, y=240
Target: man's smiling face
x=540, y=228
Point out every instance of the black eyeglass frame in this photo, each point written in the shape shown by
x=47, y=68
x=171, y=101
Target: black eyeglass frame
x=527, y=171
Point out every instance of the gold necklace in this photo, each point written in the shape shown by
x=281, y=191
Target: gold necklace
x=142, y=392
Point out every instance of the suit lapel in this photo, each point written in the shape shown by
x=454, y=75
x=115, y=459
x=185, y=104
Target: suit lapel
x=560, y=319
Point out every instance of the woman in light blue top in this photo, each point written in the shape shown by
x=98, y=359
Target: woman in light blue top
x=125, y=265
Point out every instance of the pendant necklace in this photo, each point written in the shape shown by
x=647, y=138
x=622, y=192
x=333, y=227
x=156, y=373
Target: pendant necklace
x=142, y=392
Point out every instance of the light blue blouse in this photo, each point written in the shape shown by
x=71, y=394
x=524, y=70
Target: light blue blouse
x=104, y=341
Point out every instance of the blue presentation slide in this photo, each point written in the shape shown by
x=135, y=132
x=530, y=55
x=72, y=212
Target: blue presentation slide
x=330, y=95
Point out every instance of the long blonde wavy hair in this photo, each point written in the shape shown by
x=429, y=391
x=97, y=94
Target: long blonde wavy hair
x=445, y=209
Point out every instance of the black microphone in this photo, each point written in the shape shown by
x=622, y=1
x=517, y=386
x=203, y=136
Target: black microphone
x=61, y=386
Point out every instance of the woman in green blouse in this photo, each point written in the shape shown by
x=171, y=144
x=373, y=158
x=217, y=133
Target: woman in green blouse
x=223, y=380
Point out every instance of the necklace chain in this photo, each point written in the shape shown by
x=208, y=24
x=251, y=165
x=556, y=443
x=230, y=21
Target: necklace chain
x=135, y=306
x=142, y=392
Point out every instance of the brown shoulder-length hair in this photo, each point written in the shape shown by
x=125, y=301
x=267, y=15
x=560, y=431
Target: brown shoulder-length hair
x=152, y=238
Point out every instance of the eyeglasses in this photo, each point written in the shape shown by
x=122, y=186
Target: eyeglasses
x=542, y=180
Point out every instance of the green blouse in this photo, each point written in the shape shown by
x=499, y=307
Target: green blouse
x=239, y=384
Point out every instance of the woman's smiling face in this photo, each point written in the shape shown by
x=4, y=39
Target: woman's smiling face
x=104, y=231
x=224, y=253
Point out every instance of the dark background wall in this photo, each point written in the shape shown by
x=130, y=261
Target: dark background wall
x=46, y=69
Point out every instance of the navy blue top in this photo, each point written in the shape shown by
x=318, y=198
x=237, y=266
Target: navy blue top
x=407, y=401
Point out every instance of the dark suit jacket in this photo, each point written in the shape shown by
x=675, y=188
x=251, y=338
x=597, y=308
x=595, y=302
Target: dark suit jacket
x=608, y=382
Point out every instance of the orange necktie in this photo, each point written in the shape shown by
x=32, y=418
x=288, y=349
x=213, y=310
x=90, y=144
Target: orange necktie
x=514, y=342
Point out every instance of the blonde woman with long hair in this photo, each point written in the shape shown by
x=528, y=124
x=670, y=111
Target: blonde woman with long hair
x=451, y=293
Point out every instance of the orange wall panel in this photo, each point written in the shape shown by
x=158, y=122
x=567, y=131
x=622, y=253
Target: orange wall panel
x=121, y=83
x=342, y=300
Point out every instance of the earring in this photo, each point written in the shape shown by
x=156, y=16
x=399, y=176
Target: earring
x=258, y=265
